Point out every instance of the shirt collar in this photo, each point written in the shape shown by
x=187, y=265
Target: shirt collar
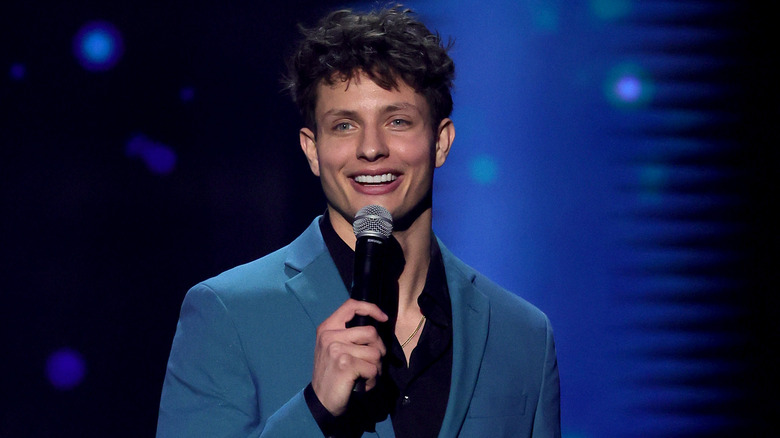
x=434, y=301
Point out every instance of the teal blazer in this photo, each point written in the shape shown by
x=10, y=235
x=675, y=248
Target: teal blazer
x=244, y=349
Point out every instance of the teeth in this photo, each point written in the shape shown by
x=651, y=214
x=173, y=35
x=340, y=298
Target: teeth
x=375, y=179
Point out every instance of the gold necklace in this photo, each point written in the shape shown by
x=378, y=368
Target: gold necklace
x=419, y=324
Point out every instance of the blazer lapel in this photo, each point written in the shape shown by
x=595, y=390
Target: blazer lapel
x=314, y=278
x=317, y=284
x=470, y=320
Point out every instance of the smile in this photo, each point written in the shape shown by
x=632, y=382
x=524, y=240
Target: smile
x=375, y=179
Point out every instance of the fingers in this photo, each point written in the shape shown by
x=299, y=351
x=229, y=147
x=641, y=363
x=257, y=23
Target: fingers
x=362, y=343
x=343, y=355
x=350, y=308
x=352, y=337
x=336, y=377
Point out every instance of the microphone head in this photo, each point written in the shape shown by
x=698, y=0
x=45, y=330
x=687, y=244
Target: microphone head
x=373, y=221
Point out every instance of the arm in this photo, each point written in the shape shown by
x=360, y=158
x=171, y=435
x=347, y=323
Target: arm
x=547, y=420
x=208, y=389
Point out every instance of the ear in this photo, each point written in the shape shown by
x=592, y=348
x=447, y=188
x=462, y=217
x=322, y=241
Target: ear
x=309, y=146
x=444, y=139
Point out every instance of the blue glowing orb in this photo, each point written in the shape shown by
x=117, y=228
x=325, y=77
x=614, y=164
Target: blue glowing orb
x=545, y=17
x=98, y=46
x=65, y=369
x=611, y=9
x=483, y=169
x=187, y=94
x=17, y=72
x=628, y=86
x=159, y=158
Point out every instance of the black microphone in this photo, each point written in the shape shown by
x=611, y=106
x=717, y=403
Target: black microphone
x=373, y=226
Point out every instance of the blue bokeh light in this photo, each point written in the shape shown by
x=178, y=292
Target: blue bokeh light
x=611, y=9
x=628, y=86
x=17, y=71
x=187, y=94
x=483, y=169
x=545, y=16
x=65, y=369
x=159, y=158
x=98, y=46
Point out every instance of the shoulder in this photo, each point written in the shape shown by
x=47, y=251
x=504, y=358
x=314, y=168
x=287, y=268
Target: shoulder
x=505, y=306
x=268, y=274
x=266, y=270
x=508, y=302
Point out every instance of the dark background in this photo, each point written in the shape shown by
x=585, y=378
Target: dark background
x=98, y=251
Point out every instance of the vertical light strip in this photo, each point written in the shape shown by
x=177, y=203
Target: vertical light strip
x=681, y=281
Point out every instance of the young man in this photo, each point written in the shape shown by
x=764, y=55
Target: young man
x=264, y=349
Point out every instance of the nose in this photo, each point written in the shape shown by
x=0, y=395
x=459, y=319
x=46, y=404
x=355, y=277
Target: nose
x=373, y=145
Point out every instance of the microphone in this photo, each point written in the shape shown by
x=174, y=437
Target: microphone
x=373, y=226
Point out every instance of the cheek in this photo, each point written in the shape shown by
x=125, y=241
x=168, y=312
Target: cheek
x=330, y=164
x=420, y=155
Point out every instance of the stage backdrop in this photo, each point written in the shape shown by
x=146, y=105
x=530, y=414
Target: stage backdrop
x=615, y=163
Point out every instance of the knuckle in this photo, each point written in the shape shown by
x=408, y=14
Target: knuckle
x=328, y=337
x=322, y=329
x=334, y=349
x=344, y=361
x=369, y=331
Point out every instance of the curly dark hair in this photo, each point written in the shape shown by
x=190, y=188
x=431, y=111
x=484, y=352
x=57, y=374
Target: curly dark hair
x=386, y=45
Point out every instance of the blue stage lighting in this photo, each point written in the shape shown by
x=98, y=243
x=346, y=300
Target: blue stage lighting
x=629, y=86
x=611, y=9
x=159, y=158
x=483, y=169
x=98, y=46
x=187, y=94
x=17, y=72
x=65, y=369
x=545, y=16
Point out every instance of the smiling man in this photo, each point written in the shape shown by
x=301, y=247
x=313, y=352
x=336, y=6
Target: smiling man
x=265, y=350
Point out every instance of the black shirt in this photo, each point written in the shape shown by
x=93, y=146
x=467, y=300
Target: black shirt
x=415, y=394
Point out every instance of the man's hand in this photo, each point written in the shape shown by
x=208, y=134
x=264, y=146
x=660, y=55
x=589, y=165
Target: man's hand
x=342, y=355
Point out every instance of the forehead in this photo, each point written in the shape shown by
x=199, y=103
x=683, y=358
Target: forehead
x=360, y=92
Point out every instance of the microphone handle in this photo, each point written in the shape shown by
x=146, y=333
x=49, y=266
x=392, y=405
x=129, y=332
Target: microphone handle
x=367, y=284
x=367, y=276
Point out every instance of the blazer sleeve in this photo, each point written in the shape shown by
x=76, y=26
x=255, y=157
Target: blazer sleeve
x=547, y=420
x=209, y=389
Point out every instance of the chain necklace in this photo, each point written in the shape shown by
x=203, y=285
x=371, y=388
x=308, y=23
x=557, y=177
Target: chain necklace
x=419, y=324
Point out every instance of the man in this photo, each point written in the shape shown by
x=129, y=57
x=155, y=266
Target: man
x=264, y=349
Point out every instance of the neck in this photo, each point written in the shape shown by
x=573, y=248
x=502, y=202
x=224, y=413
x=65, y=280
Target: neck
x=415, y=241
x=416, y=244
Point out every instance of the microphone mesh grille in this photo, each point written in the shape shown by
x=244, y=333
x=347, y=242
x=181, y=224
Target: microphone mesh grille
x=373, y=220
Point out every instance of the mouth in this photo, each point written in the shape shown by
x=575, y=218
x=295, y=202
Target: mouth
x=375, y=179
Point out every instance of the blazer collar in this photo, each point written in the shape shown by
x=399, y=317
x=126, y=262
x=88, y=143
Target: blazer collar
x=316, y=283
x=470, y=320
x=314, y=278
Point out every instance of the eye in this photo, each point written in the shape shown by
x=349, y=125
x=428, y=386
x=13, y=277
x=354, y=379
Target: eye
x=343, y=126
x=399, y=122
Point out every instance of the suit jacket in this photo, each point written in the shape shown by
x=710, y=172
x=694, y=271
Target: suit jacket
x=244, y=348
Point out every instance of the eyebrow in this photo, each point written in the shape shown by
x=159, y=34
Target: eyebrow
x=401, y=106
x=387, y=109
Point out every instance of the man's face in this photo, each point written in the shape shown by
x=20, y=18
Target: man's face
x=375, y=146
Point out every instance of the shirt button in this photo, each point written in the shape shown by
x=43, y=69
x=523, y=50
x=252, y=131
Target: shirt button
x=406, y=401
